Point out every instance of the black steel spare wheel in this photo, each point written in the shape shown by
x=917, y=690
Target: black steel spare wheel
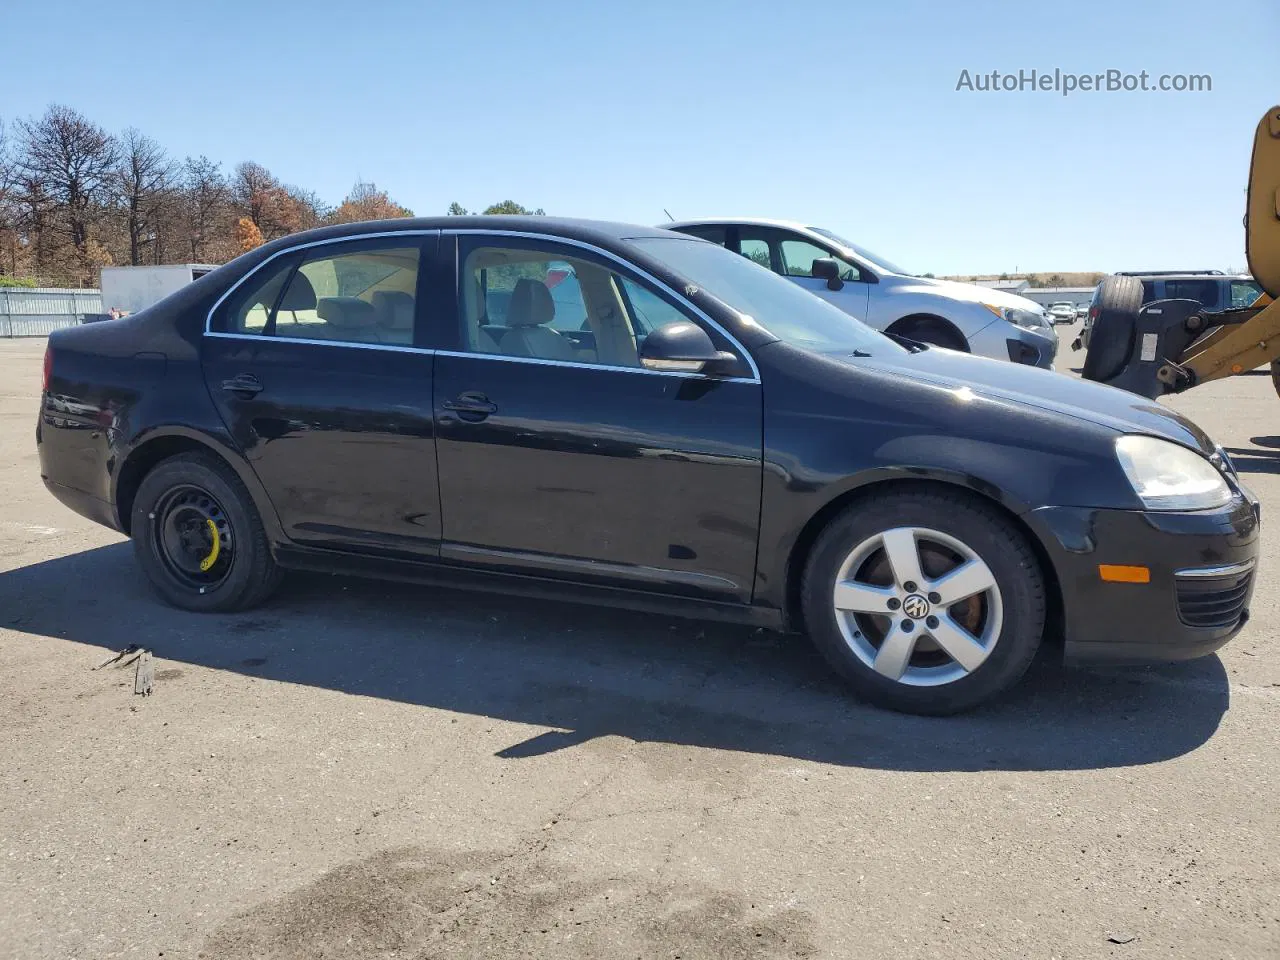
x=193, y=536
x=199, y=537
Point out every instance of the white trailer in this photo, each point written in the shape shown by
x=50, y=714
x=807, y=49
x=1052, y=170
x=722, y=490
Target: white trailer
x=130, y=289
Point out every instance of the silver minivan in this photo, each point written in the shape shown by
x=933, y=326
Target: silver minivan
x=961, y=316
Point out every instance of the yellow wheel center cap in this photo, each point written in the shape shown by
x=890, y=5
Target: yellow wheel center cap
x=214, y=550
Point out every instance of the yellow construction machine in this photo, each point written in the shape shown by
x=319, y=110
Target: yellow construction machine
x=1168, y=346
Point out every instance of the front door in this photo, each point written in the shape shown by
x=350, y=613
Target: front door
x=312, y=364
x=559, y=455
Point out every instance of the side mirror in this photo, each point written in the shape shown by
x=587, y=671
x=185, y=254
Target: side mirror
x=827, y=269
x=684, y=347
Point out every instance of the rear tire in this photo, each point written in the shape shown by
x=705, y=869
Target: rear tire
x=1004, y=614
x=1114, y=329
x=199, y=538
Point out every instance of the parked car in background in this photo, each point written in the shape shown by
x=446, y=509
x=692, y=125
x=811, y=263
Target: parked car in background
x=1062, y=312
x=1214, y=290
x=960, y=316
x=1082, y=311
x=715, y=442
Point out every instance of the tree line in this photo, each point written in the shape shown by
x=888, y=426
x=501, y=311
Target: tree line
x=75, y=198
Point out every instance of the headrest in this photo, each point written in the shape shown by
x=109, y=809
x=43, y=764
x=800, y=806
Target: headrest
x=394, y=309
x=531, y=304
x=345, y=313
x=300, y=295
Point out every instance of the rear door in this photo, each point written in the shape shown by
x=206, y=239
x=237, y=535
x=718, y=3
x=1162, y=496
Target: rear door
x=314, y=364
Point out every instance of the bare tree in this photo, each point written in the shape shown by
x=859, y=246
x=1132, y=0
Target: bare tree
x=257, y=194
x=206, y=202
x=73, y=162
x=146, y=182
x=8, y=207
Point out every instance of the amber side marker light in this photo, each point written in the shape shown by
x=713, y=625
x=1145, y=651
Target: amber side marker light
x=1119, y=573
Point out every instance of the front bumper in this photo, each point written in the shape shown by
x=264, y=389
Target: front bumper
x=1030, y=347
x=1203, y=565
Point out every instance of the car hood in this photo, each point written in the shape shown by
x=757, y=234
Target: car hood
x=1085, y=400
x=968, y=292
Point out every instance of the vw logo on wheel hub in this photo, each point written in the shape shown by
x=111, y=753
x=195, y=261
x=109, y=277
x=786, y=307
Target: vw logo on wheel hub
x=916, y=607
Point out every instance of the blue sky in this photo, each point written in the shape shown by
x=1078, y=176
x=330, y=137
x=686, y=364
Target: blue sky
x=843, y=115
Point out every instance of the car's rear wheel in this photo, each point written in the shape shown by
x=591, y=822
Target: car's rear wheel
x=199, y=538
x=925, y=602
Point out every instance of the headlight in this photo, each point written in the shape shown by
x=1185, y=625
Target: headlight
x=1027, y=319
x=1166, y=476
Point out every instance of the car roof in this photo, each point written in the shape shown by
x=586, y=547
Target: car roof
x=751, y=221
x=593, y=231
x=1183, y=275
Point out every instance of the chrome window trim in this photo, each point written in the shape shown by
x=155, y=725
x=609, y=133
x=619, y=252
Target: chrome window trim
x=584, y=365
x=397, y=347
x=1210, y=573
x=470, y=231
x=430, y=351
x=635, y=268
x=208, y=319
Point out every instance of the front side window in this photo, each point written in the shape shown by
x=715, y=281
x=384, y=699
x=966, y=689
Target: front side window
x=1244, y=293
x=798, y=256
x=529, y=302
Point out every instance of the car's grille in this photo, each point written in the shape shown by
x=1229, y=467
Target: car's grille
x=1213, y=601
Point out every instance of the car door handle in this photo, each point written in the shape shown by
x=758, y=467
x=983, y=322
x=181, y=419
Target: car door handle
x=471, y=406
x=245, y=384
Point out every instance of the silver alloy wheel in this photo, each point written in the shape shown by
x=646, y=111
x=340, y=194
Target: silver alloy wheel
x=918, y=606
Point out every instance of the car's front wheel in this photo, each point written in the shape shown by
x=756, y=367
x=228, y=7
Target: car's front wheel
x=925, y=601
x=199, y=538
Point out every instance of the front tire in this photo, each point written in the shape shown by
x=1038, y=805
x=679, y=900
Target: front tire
x=198, y=537
x=925, y=602
x=931, y=330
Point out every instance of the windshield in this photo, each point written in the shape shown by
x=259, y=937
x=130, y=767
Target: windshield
x=864, y=253
x=787, y=311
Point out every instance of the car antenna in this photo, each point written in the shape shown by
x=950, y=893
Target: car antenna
x=668, y=213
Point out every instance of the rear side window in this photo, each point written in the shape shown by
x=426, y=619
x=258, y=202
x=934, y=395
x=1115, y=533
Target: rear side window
x=251, y=306
x=366, y=295
x=712, y=232
x=1148, y=291
x=1203, y=291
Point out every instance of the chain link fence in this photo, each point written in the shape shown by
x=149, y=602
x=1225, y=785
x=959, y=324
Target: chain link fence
x=38, y=311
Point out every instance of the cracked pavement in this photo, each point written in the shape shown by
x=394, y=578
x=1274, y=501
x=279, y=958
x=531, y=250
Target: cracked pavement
x=363, y=770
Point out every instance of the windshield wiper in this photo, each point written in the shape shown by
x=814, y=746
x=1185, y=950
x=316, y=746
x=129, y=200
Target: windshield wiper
x=915, y=346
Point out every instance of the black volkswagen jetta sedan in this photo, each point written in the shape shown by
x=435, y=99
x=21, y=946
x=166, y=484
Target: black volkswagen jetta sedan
x=634, y=417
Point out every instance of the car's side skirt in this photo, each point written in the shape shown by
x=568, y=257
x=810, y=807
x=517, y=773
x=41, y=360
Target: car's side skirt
x=448, y=575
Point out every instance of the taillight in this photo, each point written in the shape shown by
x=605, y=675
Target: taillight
x=48, y=368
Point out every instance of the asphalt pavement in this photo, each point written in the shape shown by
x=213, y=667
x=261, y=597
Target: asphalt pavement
x=365, y=770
